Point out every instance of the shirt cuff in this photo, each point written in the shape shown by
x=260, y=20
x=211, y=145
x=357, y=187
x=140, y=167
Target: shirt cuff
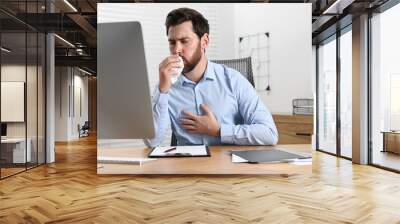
x=160, y=99
x=226, y=133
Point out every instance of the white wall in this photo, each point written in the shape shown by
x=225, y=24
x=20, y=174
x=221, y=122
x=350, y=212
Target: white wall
x=14, y=73
x=61, y=103
x=288, y=24
x=80, y=84
x=68, y=82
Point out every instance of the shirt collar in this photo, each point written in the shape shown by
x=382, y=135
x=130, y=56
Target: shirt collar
x=208, y=75
x=210, y=71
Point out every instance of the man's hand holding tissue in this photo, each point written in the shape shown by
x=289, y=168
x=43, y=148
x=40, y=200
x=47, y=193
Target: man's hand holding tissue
x=168, y=68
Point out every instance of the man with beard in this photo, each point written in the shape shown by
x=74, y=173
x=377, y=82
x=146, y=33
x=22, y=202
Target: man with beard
x=210, y=103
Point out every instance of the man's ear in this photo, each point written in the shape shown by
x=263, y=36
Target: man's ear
x=204, y=42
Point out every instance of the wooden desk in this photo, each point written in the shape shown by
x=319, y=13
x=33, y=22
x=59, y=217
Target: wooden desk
x=219, y=163
x=294, y=129
x=13, y=150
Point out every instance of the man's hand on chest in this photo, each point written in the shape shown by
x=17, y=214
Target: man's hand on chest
x=200, y=124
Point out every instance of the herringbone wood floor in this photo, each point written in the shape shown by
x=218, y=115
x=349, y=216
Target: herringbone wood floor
x=70, y=191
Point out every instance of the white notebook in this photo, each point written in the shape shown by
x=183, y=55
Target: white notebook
x=180, y=151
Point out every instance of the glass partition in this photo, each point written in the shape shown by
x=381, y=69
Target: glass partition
x=327, y=96
x=41, y=109
x=346, y=93
x=385, y=89
x=31, y=100
x=22, y=88
x=13, y=110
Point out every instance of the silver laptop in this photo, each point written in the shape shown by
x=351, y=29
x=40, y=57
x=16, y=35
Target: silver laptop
x=123, y=94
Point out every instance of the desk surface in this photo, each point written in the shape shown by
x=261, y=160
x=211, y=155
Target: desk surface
x=13, y=140
x=219, y=163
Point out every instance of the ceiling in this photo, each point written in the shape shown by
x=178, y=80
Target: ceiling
x=76, y=22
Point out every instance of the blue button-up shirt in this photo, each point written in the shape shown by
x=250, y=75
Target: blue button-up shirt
x=243, y=117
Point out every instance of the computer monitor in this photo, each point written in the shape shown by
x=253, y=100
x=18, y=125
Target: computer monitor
x=3, y=130
x=123, y=100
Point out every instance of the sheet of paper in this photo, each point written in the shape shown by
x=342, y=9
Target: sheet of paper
x=302, y=162
x=238, y=159
x=194, y=150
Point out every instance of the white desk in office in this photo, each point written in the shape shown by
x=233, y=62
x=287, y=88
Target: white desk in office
x=18, y=150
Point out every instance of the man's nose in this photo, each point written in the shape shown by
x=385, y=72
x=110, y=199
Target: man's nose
x=177, y=49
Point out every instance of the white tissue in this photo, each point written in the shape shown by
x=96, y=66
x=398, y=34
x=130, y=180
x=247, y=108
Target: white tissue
x=178, y=71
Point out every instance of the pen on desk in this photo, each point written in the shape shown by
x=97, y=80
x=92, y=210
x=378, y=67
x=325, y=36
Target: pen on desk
x=170, y=149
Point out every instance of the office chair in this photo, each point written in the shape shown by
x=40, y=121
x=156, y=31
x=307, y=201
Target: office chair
x=84, y=130
x=242, y=65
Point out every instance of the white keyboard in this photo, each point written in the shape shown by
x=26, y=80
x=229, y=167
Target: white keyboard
x=122, y=160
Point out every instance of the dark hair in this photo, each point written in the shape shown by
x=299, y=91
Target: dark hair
x=181, y=15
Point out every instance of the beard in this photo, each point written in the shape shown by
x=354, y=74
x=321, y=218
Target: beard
x=192, y=63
